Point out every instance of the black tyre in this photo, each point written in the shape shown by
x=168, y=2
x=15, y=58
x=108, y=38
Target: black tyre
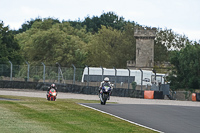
x=48, y=98
x=105, y=96
x=104, y=102
x=51, y=99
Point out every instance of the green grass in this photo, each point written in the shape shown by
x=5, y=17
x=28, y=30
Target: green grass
x=37, y=115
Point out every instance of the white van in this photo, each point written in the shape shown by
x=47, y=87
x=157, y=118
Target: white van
x=122, y=75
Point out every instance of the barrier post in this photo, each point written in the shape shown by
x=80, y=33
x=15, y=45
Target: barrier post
x=102, y=73
x=141, y=78
x=88, y=76
x=129, y=74
x=115, y=76
x=28, y=71
x=74, y=73
x=11, y=67
x=43, y=72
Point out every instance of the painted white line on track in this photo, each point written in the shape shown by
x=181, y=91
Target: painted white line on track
x=121, y=118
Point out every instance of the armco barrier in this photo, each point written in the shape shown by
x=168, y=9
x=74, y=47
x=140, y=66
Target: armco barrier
x=19, y=84
x=92, y=90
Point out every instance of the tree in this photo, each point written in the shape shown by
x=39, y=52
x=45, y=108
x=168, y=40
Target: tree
x=166, y=41
x=171, y=40
x=111, y=47
x=27, y=25
x=126, y=48
x=9, y=48
x=99, y=49
x=186, y=70
x=109, y=19
x=50, y=43
x=107, y=37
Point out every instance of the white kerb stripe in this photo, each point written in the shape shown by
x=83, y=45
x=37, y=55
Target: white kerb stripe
x=121, y=118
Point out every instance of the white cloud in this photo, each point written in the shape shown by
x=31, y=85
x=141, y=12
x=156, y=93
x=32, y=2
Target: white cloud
x=135, y=14
x=29, y=11
x=193, y=35
x=15, y=25
x=181, y=16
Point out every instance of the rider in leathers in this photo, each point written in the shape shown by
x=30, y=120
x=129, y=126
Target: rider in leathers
x=49, y=88
x=106, y=80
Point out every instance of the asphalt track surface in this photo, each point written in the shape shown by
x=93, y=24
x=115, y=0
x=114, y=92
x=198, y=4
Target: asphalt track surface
x=164, y=118
x=162, y=115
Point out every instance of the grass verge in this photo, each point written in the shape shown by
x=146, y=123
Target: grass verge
x=37, y=115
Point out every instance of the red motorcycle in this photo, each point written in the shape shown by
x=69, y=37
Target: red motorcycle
x=52, y=95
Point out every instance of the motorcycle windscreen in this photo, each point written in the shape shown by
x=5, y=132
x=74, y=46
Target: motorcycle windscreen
x=106, y=84
x=52, y=90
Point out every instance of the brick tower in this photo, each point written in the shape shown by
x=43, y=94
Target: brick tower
x=145, y=47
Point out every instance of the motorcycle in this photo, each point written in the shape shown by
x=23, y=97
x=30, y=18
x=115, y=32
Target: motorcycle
x=105, y=93
x=52, y=95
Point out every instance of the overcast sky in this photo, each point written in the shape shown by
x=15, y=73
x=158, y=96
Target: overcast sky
x=182, y=16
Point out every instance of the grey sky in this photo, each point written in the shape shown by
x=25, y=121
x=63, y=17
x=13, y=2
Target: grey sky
x=182, y=16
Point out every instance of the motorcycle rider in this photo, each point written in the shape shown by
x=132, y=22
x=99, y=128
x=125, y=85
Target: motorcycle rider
x=106, y=80
x=53, y=86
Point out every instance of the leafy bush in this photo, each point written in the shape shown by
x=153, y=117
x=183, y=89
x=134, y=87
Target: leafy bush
x=134, y=84
x=36, y=78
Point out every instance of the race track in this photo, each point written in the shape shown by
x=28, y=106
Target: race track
x=164, y=118
x=163, y=115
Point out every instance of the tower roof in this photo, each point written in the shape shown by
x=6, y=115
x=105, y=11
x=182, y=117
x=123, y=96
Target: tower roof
x=145, y=32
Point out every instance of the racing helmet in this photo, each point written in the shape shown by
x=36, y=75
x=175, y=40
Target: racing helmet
x=53, y=86
x=106, y=79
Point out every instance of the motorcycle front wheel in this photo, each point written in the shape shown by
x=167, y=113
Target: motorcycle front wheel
x=101, y=99
x=104, y=98
x=52, y=98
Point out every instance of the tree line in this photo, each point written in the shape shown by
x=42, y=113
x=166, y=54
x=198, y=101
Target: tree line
x=106, y=40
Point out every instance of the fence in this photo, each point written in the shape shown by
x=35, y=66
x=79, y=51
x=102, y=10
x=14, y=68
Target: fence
x=51, y=74
x=64, y=75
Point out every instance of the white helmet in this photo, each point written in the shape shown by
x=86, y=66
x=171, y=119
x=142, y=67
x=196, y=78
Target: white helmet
x=53, y=85
x=106, y=79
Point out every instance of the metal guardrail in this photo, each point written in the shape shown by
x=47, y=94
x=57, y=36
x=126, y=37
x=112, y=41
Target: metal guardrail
x=71, y=74
x=43, y=73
